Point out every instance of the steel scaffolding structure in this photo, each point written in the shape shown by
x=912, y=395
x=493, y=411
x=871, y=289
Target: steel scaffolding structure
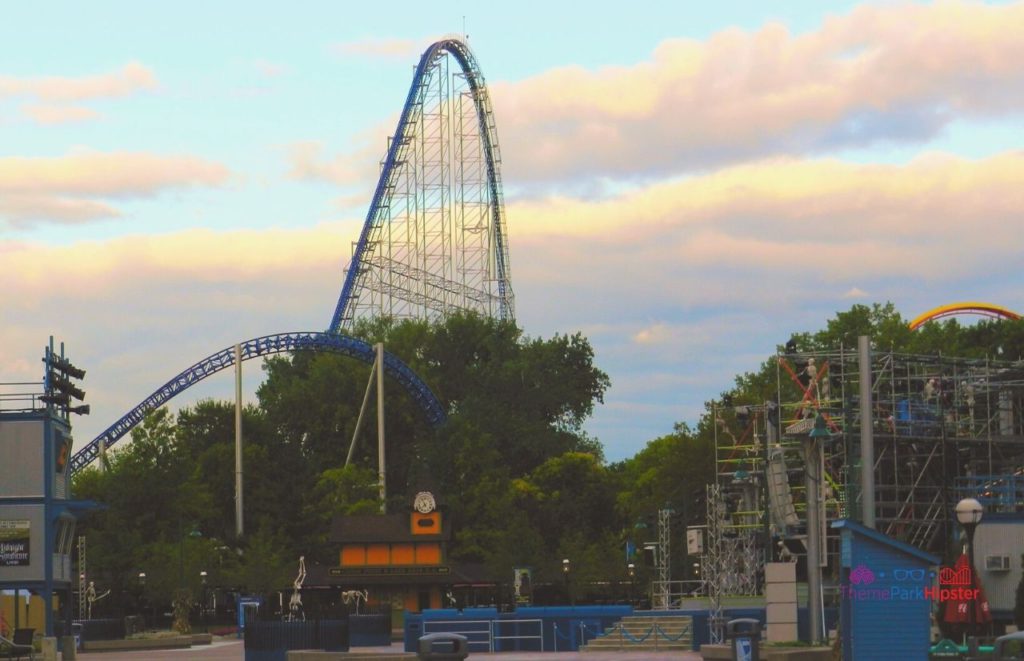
x=944, y=428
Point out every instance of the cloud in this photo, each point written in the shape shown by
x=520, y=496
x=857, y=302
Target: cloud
x=131, y=78
x=55, y=97
x=71, y=188
x=793, y=214
x=307, y=162
x=26, y=210
x=855, y=292
x=269, y=69
x=385, y=49
x=889, y=73
x=654, y=334
x=43, y=114
x=199, y=255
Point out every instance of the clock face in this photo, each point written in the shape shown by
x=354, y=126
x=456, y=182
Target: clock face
x=424, y=502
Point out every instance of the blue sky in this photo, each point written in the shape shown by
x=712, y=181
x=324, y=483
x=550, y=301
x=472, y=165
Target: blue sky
x=686, y=184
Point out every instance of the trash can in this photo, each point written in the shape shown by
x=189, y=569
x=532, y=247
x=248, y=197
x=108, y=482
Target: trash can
x=442, y=646
x=745, y=634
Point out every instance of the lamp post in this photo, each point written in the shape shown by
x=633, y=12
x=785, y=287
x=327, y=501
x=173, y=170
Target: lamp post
x=142, y=597
x=565, y=574
x=202, y=599
x=969, y=512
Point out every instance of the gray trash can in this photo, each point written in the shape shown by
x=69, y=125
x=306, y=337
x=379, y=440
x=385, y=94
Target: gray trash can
x=443, y=646
x=745, y=634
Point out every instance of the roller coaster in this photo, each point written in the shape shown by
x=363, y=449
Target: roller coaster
x=434, y=240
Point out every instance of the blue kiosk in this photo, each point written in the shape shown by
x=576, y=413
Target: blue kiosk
x=886, y=596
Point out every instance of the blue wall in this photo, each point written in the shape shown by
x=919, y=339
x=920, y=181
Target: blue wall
x=888, y=620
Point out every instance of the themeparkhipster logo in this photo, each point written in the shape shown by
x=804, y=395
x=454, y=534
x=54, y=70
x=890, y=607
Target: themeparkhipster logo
x=905, y=585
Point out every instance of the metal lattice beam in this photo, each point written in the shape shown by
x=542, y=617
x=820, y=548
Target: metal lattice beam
x=254, y=348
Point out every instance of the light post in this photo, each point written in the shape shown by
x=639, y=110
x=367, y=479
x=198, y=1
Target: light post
x=968, y=513
x=142, y=597
x=565, y=574
x=202, y=600
x=631, y=570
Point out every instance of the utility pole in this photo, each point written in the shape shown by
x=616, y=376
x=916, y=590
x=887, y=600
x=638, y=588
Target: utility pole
x=239, y=527
x=380, y=427
x=867, y=439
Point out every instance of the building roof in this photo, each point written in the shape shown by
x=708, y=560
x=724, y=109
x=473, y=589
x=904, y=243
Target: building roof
x=381, y=529
x=885, y=540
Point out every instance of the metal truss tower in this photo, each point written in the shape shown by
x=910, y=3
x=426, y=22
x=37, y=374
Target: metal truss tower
x=662, y=597
x=714, y=562
x=434, y=240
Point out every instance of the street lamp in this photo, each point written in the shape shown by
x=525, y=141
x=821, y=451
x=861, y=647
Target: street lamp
x=142, y=597
x=969, y=512
x=202, y=602
x=565, y=572
x=631, y=570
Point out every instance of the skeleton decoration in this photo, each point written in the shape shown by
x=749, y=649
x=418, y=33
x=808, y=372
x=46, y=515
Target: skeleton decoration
x=91, y=597
x=349, y=596
x=295, y=611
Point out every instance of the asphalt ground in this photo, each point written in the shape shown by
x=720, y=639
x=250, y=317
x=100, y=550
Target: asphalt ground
x=232, y=650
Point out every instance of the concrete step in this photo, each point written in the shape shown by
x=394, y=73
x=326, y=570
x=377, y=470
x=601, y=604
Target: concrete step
x=677, y=627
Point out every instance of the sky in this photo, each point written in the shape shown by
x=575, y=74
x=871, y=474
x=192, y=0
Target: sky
x=686, y=183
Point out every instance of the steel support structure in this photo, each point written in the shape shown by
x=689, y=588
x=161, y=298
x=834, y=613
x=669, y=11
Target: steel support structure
x=263, y=346
x=662, y=587
x=713, y=563
x=434, y=240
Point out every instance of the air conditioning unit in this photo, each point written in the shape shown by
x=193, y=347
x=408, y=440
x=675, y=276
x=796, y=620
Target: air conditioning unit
x=997, y=563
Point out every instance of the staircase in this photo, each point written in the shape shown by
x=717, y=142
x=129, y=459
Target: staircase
x=645, y=633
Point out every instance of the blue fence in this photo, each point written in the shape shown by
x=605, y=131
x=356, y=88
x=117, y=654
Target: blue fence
x=528, y=629
x=563, y=629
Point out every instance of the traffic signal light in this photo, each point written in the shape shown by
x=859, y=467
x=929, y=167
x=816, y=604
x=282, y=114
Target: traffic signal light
x=60, y=389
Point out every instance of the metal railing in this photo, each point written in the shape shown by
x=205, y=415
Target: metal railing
x=625, y=638
x=484, y=633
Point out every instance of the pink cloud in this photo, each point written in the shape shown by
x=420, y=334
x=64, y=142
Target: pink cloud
x=25, y=210
x=387, y=49
x=46, y=114
x=118, y=174
x=307, y=162
x=131, y=78
x=890, y=72
x=72, y=188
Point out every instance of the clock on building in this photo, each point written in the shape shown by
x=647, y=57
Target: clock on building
x=424, y=502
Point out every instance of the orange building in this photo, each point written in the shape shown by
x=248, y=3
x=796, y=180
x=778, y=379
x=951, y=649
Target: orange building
x=401, y=560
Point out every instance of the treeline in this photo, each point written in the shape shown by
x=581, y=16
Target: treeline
x=523, y=482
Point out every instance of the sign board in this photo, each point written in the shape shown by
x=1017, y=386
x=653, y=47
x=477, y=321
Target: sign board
x=15, y=536
x=744, y=649
x=694, y=541
x=389, y=571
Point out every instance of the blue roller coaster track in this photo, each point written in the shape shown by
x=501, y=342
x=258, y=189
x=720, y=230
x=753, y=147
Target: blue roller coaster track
x=376, y=216
x=333, y=340
x=255, y=348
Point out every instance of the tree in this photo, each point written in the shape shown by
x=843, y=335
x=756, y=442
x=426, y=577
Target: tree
x=513, y=403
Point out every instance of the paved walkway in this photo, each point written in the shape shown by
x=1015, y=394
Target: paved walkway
x=232, y=650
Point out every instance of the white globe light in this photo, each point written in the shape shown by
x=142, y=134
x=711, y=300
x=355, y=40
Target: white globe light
x=969, y=512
